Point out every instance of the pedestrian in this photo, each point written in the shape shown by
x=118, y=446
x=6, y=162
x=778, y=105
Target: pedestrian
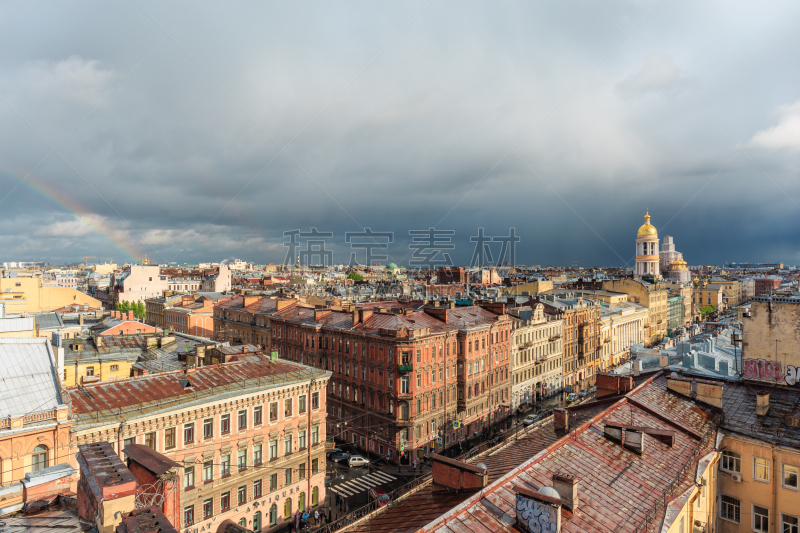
x=415, y=465
x=316, y=517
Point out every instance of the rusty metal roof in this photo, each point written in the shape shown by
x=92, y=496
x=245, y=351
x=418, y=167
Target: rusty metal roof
x=115, y=399
x=149, y=458
x=616, y=486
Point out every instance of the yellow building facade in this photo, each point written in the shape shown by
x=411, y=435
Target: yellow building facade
x=24, y=293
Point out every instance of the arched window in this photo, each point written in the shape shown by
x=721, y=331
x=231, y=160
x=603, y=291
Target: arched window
x=301, y=502
x=257, y=521
x=243, y=522
x=314, y=496
x=39, y=458
x=287, y=509
x=273, y=515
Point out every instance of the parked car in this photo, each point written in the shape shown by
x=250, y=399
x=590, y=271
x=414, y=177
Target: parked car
x=340, y=456
x=571, y=397
x=333, y=451
x=530, y=419
x=583, y=393
x=357, y=460
x=380, y=495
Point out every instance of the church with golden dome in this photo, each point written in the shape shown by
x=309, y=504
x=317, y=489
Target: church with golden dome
x=652, y=261
x=647, y=258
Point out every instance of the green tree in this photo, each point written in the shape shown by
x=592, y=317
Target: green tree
x=355, y=276
x=707, y=310
x=140, y=310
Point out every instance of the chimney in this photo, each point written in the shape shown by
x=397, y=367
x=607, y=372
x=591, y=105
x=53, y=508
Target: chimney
x=561, y=420
x=130, y=315
x=537, y=511
x=567, y=488
x=762, y=402
x=457, y=474
x=107, y=489
x=80, y=319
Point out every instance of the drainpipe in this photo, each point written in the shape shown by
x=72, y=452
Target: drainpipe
x=774, y=517
x=308, y=436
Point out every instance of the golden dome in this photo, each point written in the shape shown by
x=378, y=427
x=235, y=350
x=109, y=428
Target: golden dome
x=647, y=228
x=679, y=263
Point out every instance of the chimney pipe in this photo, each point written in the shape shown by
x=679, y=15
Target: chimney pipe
x=567, y=488
x=762, y=403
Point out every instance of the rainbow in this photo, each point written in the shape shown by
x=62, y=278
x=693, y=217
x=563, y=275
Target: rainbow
x=49, y=197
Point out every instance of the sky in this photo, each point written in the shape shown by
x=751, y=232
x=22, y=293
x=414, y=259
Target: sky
x=206, y=130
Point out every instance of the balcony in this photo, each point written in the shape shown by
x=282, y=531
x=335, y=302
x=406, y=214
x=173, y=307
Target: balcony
x=461, y=405
x=405, y=368
x=405, y=423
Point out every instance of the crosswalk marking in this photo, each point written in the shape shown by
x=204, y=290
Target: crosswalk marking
x=358, y=485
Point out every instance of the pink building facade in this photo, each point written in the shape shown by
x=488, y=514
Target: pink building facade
x=249, y=434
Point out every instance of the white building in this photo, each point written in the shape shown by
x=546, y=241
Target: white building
x=536, y=355
x=647, y=255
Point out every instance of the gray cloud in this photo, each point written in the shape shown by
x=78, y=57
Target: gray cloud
x=544, y=118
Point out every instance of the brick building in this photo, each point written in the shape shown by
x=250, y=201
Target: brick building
x=581, y=341
x=766, y=285
x=190, y=316
x=407, y=377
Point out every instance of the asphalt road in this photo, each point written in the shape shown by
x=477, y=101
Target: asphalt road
x=352, y=484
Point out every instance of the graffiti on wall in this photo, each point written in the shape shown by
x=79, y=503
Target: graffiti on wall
x=771, y=371
x=538, y=517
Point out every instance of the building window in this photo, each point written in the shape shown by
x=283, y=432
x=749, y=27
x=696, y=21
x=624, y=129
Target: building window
x=731, y=461
x=90, y=371
x=225, y=464
x=39, y=458
x=287, y=477
x=273, y=449
x=761, y=469
x=242, y=420
x=315, y=435
x=287, y=408
x=225, y=501
x=150, y=440
x=729, y=508
x=273, y=482
x=760, y=519
x=790, y=476
x=169, y=438
x=287, y=509
x=314, y=466
x=314, y=496
x=208, y=428
x=188, y=433
x=256, y=489
x=188, y=515
x=301, y=440
x=790, y=524
x=225, y=424
x=257, y=415
x=241, y=459
x=273, y=411
x=208, y=470
x=273, y=515
x=301, y=405
x=242, y=496
x=287, y=445
x=208, y=508
x=315, y=400
x=114, y=368
x=301, y=471
x=188, y=477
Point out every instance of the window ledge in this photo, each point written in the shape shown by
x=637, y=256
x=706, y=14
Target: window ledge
x=187, y=489
x=206, y=482
x=223, y=476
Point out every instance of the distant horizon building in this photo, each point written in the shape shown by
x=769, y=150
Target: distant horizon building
x=647, y=256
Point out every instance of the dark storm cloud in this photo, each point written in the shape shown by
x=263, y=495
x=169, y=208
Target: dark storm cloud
x=563, y=121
